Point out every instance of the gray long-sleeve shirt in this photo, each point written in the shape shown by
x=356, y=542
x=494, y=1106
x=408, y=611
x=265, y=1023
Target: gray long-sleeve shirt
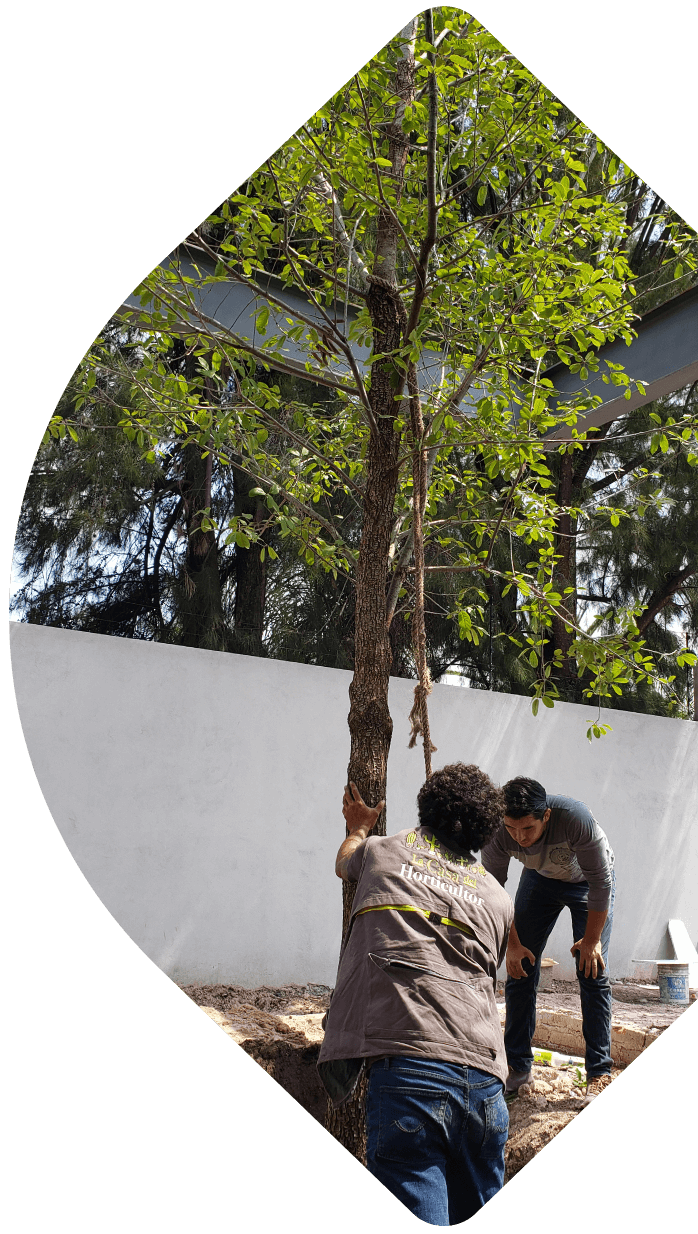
x=573, y=848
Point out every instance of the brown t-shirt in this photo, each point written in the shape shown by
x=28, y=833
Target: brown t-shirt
x=417, y=973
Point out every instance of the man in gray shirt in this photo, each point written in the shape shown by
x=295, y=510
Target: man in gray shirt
x=568, y=862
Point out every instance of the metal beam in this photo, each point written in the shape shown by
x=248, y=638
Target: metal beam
x=229, y=308
x=663, y=356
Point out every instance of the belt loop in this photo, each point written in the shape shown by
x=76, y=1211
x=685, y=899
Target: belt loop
x=386, y=1064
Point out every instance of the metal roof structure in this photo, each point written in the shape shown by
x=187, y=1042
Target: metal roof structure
x=663, y=355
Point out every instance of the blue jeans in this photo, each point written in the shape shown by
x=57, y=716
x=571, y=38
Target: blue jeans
x=539, y=902
x=435, y=1136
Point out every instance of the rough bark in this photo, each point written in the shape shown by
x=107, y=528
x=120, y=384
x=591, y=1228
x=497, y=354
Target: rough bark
x=370, y=723
x=250, y=576
x=401, y=647
x=200, y=600
x=565, y=575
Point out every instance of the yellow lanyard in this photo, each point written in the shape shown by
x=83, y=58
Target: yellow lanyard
x=427, y=913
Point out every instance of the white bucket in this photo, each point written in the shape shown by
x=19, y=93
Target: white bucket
x=672, y=976
x=547, y=968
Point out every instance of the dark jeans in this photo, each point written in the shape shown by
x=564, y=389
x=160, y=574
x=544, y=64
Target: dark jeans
x=435, y=1136
x=539, y=902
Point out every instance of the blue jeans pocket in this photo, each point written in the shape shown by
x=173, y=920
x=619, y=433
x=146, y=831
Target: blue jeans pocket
x=412, y=1124
x=496, y=1125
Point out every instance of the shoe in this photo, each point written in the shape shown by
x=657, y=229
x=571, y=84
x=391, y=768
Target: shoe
x=515, y=1079
x=595, y=1086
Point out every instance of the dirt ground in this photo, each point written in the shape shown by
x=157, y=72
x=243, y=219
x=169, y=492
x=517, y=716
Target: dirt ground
x=281, y=1029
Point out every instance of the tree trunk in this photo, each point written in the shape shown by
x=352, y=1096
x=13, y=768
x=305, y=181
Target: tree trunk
x=370, y=723
x=565, y=575
x=200, y=601
x=250, y=576
x=573, y=473
x=401, y=647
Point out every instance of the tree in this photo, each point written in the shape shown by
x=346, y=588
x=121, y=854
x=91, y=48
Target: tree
x=442, y=194
x=646, y=554
x=631, y=549
x=109, y=541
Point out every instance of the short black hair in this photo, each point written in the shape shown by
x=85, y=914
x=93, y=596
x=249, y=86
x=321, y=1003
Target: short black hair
x=462, y=804
x=524, y=797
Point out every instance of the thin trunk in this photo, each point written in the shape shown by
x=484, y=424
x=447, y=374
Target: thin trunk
x=370, y=723
x=565, y=575
x=573, y=473
x=400, y=646
x=200, y=600
x=250, y=576
x=155, y=578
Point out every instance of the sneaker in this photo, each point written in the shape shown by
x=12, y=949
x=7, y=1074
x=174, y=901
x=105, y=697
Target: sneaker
x=515, y=1079
x=595, y=1086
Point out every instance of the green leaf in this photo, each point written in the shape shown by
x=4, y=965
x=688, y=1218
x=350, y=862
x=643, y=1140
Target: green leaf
x=436, y=423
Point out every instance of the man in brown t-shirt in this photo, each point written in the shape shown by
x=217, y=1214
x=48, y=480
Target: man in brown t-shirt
x=415, y=997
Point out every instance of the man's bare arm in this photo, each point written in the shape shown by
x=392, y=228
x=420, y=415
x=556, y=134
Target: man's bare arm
x=347, y=850
x=360, y=819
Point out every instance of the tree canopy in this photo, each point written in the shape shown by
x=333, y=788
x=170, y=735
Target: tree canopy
x=445, y=212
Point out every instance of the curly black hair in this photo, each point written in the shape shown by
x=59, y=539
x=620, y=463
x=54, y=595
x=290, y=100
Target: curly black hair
x=462, y=804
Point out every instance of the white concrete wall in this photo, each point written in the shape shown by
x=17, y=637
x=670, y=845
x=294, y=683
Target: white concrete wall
x=200, y=794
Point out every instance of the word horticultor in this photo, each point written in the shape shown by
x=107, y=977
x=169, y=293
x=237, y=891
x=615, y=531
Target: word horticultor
x=435, y=869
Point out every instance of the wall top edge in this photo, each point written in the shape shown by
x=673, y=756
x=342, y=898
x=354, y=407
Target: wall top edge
x=22, y=633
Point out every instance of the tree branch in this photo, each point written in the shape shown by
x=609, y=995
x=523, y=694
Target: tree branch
x=429, y=240
x=329, y=195
x=606, y=481
x=505, y=505
x=303, y=443
x=337, y=335
x=659, y=599
x=242, y=344
x=176, y=511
